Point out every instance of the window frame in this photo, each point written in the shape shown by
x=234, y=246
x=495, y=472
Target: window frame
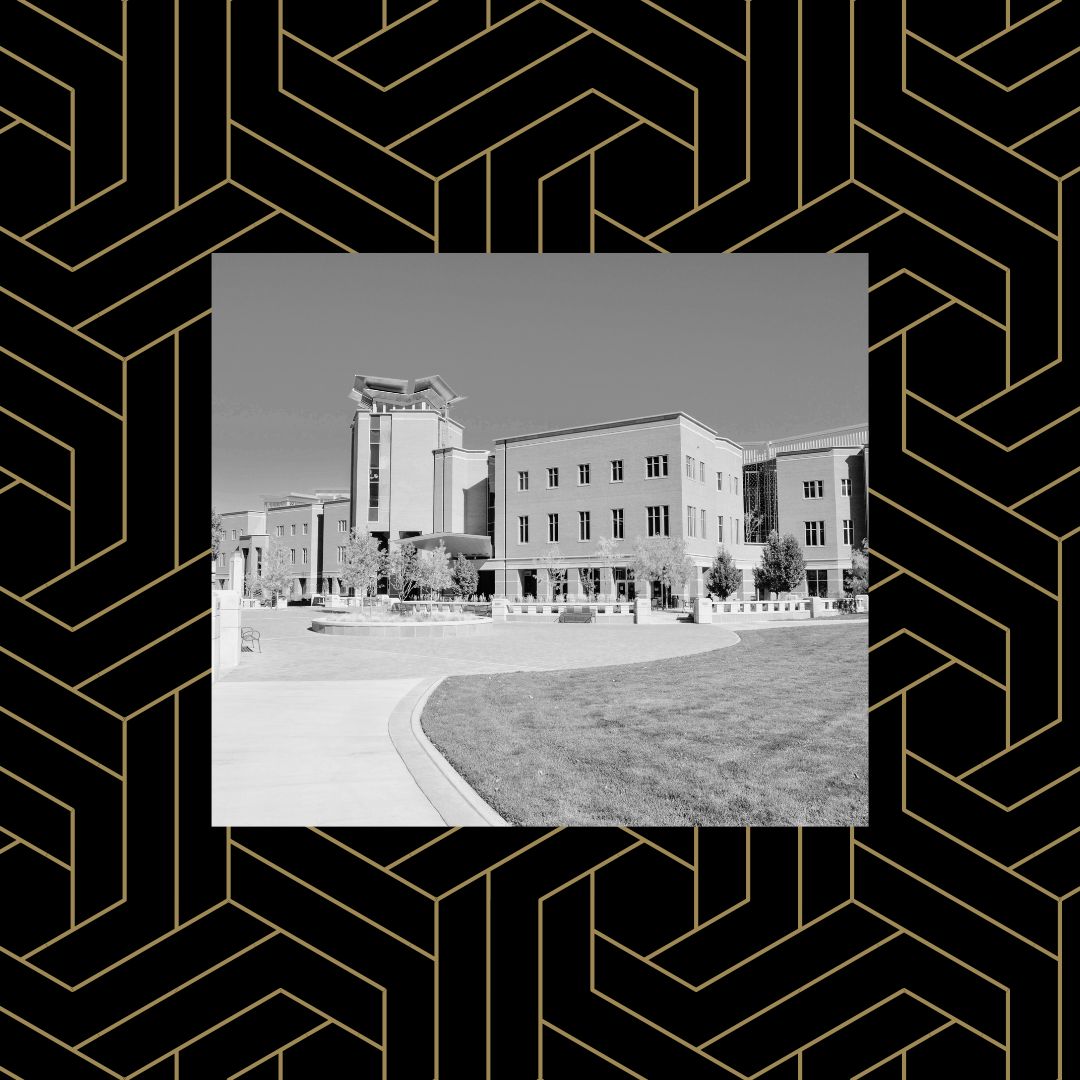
x=618, y=527
x=552, y=474
x=584, y=525
x=719, y=528
x=523, y=480
x=719, y=481
x=849, y=531
x=292, y=556
x=845, y=485
x=701, y=471
x=553, y=529
x=584, y=469
x=808, y=485
x=689, y=467
x=661, y=465
x=523, y=528
x=616, y=466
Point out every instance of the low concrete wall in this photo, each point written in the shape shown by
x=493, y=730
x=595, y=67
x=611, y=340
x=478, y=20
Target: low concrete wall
x=401, y=629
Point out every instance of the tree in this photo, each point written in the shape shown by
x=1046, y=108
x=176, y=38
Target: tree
x=277, y=575
x=465, y=577
x=663, y=559
x=433, y=568
x=550, y=562
x=588, y=584
x=859, y=581
x=782, y=566
x=752, y=523
x=606, y=549
x=217, y=533
x=723, y=578
x=400, y=566
x=253, y=586
x=360, y=569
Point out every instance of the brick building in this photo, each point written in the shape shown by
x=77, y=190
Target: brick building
x=667, y=474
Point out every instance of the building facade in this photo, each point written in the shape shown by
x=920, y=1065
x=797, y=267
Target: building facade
x=511, y=508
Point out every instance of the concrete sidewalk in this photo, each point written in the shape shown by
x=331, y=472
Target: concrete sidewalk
x=313, y=732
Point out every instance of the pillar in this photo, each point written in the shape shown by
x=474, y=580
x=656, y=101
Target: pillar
x=334, y=587
x=607, y=581
x=236, y=572
x=229, y=628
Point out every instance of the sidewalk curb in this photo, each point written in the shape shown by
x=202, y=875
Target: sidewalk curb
x=457, y=803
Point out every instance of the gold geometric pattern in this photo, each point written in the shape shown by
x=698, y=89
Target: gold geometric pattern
x=138, y=940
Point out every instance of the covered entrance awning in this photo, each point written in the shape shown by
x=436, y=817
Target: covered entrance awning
x=456, y=543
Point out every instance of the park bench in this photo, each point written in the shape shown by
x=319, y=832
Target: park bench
x=250, y=636
x=585, y=616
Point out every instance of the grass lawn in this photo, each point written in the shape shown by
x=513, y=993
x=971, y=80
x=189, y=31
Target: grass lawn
x=771, y=731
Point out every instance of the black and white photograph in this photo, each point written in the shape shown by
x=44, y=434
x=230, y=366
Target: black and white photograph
x=540, y=540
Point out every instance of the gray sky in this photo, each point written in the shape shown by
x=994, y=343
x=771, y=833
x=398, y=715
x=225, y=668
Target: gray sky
x=756, y=346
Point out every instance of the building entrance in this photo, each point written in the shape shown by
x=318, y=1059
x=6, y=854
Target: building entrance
x=528, y=583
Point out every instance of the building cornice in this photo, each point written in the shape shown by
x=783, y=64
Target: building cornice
x=637, y=420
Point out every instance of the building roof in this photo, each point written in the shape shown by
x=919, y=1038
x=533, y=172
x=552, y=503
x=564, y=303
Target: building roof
x=852, y=435
x=611, y=424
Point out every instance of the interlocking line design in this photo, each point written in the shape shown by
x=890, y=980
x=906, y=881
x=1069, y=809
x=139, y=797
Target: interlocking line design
x=138, y=139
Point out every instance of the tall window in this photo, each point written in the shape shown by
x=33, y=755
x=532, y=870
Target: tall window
x=658, y=520
x=701, y=471
x=845, y=486
x=304, y=527
x=817, y=582
x=583, y=524
x=690, y=466
x=849, y=531
x=343, y=526
x=812, y=489
x=373, y=468
x=583, y=474
x=719, y=529
x=656, y=466
x=304, y=557
x=523, y=481
x=553, y=478
x=292, y=554
x=523, y=530
x=616, y=525
x=736, y=485
x=815, y=533
x=702, y=524
x=234, y=534
x=341, y=553
x=616, y=471
x=553, y=528
x=719, y=481
x=690, y=518
x=279, y=530
x=293, y=528
x=737, y=539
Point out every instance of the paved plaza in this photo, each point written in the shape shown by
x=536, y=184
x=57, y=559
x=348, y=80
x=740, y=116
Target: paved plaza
x=317, y=730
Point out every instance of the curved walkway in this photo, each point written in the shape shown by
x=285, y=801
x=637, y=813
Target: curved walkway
x=326, y=731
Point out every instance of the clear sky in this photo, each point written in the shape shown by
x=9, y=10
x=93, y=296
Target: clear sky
x=756, y=346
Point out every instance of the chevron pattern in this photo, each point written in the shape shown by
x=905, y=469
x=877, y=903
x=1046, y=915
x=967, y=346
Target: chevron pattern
x=142, y=138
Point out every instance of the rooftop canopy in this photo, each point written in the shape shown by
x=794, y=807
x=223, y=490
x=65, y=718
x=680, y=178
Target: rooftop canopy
x=456, y=543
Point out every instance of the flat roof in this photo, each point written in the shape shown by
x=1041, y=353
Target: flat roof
x=612, y=424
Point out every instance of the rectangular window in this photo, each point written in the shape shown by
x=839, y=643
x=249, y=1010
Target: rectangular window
x=655, y=466
x=654, y=520
x=719, y=529
x=342, y=526
x=719, y=481
x=234, y=534
x=616, y=525
x=292, y=554
x=583, y=474
x=689, y=466
x=373, y=513
x=665, y=510
x=815, y=533
x=702, y=524
x=373, y=496
x=523, y=481
x=279, y=530
x=736, y=485
x=553, y=478
x=616, y=471
x=849, y=531
x=373, y=459
x=341, y=553
x=845, y=486
x=304, y=558
x=817, y=582
x=701, y=471
x=737, y=531
x=583, y=525
x=293, y=528
x=553, y=528
x=690, y=516
x=812, y=489
x=523, y=530
x=304, y=527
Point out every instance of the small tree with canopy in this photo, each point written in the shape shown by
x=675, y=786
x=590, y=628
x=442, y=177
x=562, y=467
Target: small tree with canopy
x=723, y=579
x=782, y=566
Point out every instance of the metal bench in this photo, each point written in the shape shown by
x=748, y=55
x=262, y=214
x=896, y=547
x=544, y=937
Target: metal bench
x=586, y=616
x=250, y=636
